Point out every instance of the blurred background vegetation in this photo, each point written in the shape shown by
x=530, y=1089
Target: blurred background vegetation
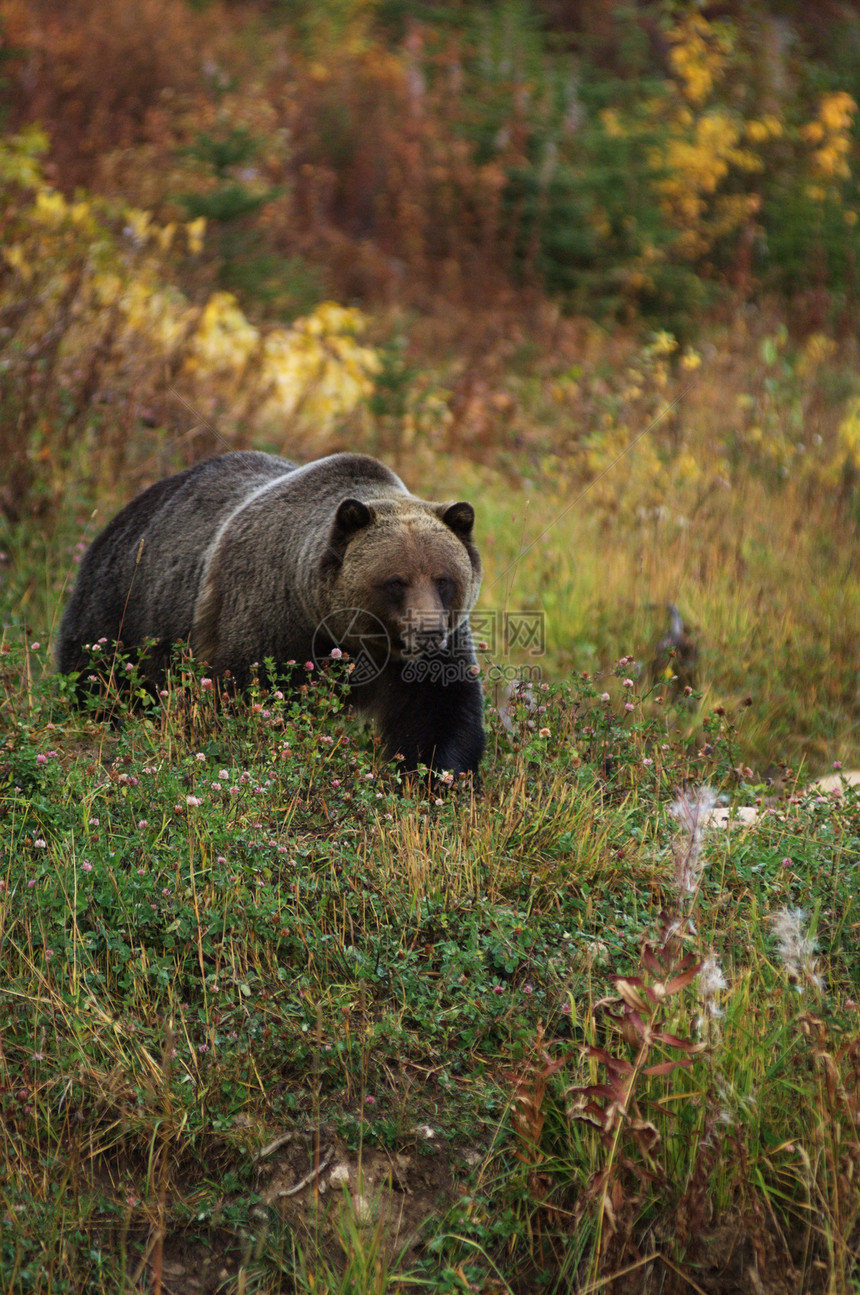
x=591, y=261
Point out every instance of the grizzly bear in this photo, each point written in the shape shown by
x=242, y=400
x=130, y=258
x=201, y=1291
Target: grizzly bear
x=247, y=557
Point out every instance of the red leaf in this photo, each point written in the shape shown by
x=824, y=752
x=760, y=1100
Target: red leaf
x=666, y=1067
x=596, y=1090
x=650, y=961
x=612, y=1063
x=680, y=982
x=672, y=1041
x=642, y=1028
x=629, y=991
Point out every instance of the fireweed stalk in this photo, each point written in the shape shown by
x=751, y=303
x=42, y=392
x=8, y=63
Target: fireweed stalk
x=796, y=949
x=691, y=810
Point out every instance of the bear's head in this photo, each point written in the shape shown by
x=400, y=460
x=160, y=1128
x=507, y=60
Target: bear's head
x=404, y=564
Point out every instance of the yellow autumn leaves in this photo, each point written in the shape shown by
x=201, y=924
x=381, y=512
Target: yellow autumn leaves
x=644, y=463
x=83, y=264
x=706, y=145
x=829, y=137
x=315, y=369
x=708, y=151
x=697, y=55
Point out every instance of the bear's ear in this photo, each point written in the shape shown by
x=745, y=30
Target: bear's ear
x=351, y=516
x=460, y=517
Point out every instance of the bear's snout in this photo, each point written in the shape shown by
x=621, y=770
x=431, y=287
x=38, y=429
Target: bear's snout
x=423, y=631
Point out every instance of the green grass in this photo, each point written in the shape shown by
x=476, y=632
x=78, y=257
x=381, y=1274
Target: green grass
x=314, y=949
x=240, y=957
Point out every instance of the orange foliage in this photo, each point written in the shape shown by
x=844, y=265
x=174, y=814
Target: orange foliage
x=362, y=149
x=362, y=144
x=381, y=173
x=98, y=72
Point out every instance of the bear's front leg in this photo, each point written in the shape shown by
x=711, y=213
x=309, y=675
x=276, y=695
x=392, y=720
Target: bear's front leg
x=430, y=710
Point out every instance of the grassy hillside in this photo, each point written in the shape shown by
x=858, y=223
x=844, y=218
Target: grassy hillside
x=272, y=1021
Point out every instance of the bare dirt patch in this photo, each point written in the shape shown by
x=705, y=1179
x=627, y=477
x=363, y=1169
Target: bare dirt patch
x=317, y=1182
x=321, y=1189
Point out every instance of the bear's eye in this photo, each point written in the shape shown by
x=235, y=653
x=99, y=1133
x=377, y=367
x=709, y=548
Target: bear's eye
x=395, y=587
x=445, y=588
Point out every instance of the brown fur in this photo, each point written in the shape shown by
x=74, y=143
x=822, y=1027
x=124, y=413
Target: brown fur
x=249, y=557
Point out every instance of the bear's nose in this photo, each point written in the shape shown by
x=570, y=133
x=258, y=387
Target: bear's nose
x=431, y=640
x=424, y=633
